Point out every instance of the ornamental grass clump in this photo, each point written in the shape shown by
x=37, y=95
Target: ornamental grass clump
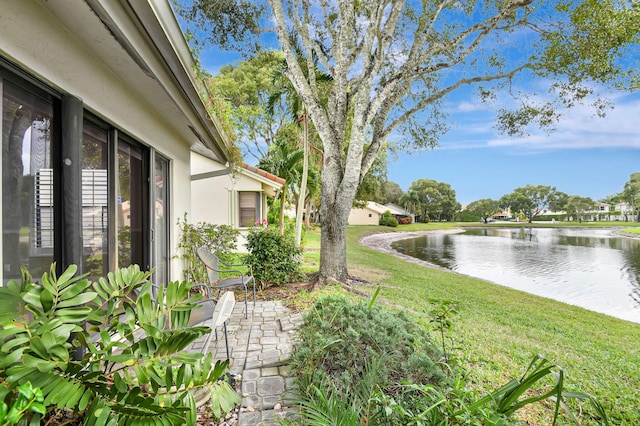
x=339, y=341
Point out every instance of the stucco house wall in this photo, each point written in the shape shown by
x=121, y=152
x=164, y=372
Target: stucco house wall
x=370, y=214
x=216, y=192
x=127, y=65
x=363, y=216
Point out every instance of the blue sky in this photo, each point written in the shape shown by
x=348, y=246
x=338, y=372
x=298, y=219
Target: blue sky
x=586, y=156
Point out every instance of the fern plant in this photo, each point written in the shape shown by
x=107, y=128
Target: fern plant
x=134, y=369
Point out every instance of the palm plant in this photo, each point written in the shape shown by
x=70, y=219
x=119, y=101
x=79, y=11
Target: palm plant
x=135, y=369
x=411, y=201
x=283, y=161
x=286, y=93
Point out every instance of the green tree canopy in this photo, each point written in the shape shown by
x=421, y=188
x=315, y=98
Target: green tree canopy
x=249, y=87
x=529, y=199
x=391, y=193
x=576, y=205
x=437, y=199
x=485, y=208
x=631, y=193
x=558, y=201
x=410, y=200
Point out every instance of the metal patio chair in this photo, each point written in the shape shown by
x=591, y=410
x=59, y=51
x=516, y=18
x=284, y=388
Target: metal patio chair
x=218, y=311
x=214, y=266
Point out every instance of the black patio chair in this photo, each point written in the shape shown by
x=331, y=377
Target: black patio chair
x=214, y=266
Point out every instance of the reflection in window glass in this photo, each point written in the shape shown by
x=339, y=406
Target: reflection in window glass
x=95, y=200
x=27, y=182
x=129, y=205
x=161, y=225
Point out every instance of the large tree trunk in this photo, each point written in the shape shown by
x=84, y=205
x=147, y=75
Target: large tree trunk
x=333, y=242
x=339, y=186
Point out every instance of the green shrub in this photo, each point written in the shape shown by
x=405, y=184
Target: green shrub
x=387, y=220
x=358, y=364
x=466, y=216
x=218, y=239
x=273, y=214
x=339, y=340
x=18, y=404
x=124, y=378
x=274, y=258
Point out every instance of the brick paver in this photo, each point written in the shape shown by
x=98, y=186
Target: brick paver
x=260, y=347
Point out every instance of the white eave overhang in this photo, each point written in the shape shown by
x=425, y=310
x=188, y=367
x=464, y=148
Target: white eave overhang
x=140, y=42
x=160, y=23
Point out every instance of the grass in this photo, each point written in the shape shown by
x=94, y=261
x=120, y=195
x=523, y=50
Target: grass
x=498, y=330
x=635, y=230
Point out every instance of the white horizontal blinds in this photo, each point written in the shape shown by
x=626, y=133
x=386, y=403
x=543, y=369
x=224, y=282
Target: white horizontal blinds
x=249, y=208
x=43, y=214
x=94, y=208
x=95, y=196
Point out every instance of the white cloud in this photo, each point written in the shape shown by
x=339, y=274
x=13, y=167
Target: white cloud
x=470, y=107
x=579, y=129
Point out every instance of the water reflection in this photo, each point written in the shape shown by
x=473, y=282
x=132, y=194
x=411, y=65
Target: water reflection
x=592, y=268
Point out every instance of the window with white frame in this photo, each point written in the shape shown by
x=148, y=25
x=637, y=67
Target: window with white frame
x=249, y=203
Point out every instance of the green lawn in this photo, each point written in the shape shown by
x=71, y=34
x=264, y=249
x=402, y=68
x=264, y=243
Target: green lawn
x=635, y=230
x=498, y=330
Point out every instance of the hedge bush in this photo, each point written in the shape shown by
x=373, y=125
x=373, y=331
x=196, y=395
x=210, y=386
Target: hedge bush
x=388, y=220
x=274, y=258
x=339, y=340
x=219, y=239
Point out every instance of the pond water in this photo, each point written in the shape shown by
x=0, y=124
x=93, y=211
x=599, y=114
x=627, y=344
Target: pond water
x=591, y=268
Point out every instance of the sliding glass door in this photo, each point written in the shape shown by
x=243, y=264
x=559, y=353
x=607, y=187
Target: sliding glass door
x=123, y=189
x=95, y=200
x=27, y=181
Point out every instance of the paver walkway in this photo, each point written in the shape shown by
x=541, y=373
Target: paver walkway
x=259, y=347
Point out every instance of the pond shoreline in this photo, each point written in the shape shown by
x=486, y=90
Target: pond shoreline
x=383, y=242
x=497, y=331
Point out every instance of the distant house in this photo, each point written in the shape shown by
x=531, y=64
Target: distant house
x=399, y=212
x=101, y=109
x=626, y=212
x=371, y=213
x=222, y=196
x=601, y=212
x=618, y=212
